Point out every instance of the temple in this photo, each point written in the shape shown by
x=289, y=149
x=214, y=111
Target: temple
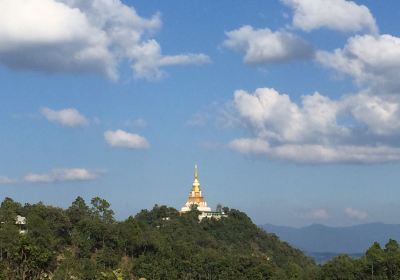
x=195, y=196
x=196, y=199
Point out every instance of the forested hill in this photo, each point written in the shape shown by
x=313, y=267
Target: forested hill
x=86, y=242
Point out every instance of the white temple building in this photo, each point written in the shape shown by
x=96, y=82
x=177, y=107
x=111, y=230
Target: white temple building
x=196, y=199
x=21, y=222
x=195, y=196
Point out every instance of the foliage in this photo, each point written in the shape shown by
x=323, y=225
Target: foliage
x=376, y=264
x=86, y=242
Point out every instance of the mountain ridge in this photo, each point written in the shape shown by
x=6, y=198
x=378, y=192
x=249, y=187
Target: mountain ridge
x=319, y=238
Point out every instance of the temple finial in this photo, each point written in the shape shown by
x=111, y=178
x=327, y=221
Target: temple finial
x=196, y=172
x=196, y=183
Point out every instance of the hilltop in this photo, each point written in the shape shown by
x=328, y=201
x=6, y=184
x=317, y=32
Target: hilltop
x=86, y=242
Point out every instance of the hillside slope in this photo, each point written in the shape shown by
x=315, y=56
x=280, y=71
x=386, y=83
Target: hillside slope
x=86, y=242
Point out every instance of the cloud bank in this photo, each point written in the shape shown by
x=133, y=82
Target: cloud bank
x=361, y=127
x=76, y=36
x=314, y=131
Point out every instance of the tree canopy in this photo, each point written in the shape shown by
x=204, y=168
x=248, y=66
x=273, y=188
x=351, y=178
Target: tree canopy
x=87, y=242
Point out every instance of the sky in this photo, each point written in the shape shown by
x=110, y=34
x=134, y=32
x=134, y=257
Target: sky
x=291, y=108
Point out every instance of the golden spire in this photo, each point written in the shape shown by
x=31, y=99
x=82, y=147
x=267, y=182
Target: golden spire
x=196, y=172
x=196, y=183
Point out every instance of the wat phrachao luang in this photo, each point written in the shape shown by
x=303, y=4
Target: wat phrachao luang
x=196, y=199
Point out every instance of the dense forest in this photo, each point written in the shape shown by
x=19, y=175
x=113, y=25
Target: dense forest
x=87, y=242
x=377, y=264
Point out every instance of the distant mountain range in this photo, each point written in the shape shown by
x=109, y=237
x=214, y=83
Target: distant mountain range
x=321, y=241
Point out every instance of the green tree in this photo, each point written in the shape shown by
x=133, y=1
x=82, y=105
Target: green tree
x=78, y=211
x=375, y=261
x=86, y=242
x=392, y=259
x=339, y=268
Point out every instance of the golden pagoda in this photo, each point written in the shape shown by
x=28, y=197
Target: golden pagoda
x=195, y=196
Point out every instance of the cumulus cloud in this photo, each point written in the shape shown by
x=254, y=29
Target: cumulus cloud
x=263, y=46
x=4, y=180
x=340, y=15
x=363, y=127
x=372, y=61
x=380, y=114
x=123, y=139
x=274, y=116
x=67, y=117
x=356, y=214
x=313, y=132
x=62, y=175
x=78, y=36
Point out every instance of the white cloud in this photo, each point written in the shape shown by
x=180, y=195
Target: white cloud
x=67, y=117
x=78, y=36
x=319, y=213
x=148, y=60
x=311, y=133
x=274, y=116
x=373, y=61
x=62, y=175
x=263, y=46
x=123, y=139
x=340, y=15
x=381, y=114
x=250, y=146
x=356, y=214
x=317, y=153
x=6, y=180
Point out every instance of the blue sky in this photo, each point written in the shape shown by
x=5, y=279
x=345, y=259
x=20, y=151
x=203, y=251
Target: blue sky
x=291, y=112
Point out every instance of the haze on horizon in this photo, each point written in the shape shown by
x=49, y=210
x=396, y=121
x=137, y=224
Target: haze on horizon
x=291, y=108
